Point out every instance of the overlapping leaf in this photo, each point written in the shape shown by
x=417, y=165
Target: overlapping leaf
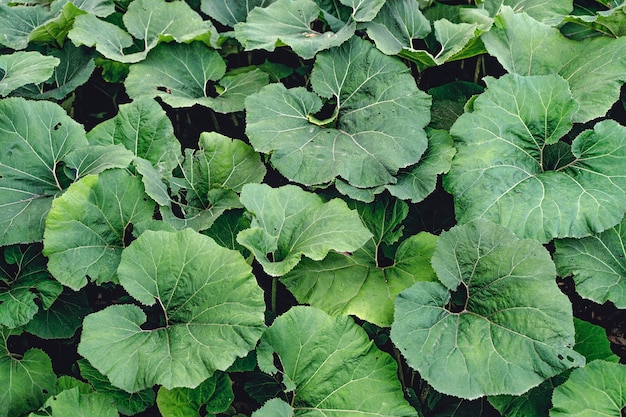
x=62, y=318
x=359, y=283
x=21, y=68
x=210, y=304
x=330, y=367
x=213, y=396
x=377, y=126
x=550, y=12
x=289, y=22
x=289, y=222
x=36, y=138
x=184, y=75
x=595, y=68
x=496, y=324
x=597, y=264
x=73, y=402
x=512, y=168
x=231, y=12
x=90, y=224
x=18, y=21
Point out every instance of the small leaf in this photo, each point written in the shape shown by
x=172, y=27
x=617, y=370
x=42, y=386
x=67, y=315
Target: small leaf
x=210, y=306
x=597, y=389
x=214, y=395
x=90, y=224
x=22, y=68
x=274, y=408
x=72, y=402
x=333, y=366
x=505, y=171
x=289, y=222
x=36, y=138
x=466, y=342
x=288, y=22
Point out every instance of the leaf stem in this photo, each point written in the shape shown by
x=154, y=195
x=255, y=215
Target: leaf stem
x=273, y=295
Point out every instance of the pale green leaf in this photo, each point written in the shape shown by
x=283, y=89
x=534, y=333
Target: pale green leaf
x=466, y=342
x=62, y=318
x=17, y=22
x=231, y=12
x=364, y=10
x=274, y=408
x=595, y=390
x=334, y=368
x=21, y=68
x=94, y=159
x=377, y=126
x=25, y=281
x=610, y=23
x=289, y=222
x=201, y=218
x=90, y=224
x=184, y=75
x=289, y=22
x=550, y=12
x=512, y=167
x=126, y=403
x=54, y=31
x=72, y=402
x=26, y=381
x=597, y=264
x=209, y=301
x=100, y=8
x=595, y=68
x=214, y=395
x=36, y=138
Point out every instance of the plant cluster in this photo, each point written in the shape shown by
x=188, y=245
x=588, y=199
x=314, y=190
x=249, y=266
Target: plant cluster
x=279, y=208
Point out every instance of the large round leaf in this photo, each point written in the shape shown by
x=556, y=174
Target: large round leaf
x=497, y=323
x=211, y=313
x=597, y=264
x=376, y=128
x=512, y=168
x=330, y=367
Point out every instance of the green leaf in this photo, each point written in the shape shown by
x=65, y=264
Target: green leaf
x=101, y=8
x=36, y=138
x=148, y=21
x=274, y=408
x=213, y=395
x=62, y=318
x=610, y=23
x=22, y=68
x=74, y=70
x=184, y=75
x=226, y=227
x=289, y=22
x=527, y=47
x=595, y=390
x=597, y=264
x=72, y=402
x=330, y=367
x=55, y=30
x=143, y=128
x=17, y=22
x=591, y=342
x=90, y=224
x=364, y=10
x=231, y=12
x=126, y=403
x=95, y=159
x=26, y=381
x=209, y=302
x=361, y=283
x=550, y=12
x=467, y=342
x=25, y=281
x=377, y=126
x=289, y=222
x=505, y=169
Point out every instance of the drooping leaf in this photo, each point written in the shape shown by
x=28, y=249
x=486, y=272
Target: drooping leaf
x=330, y=367
x=214, y=395
x=289, y=222
x=36, y=138
x=26, y=381
x=90, y=224
x=211, y=307
x=25, y=281
x=72, y=402
x=62, y=318
x=594, y=390
x=361, y=283
x=22, y=68
x=184, y=75
x=377, y=126
x=231, y=12
x=274, y=408
x=477, y=332
x=18, y=21
x=527, y=47
x=148, y=22
x=512, y=168
x=126, y=403
x=289, y=22
x=75, y=68
x=597, y=264
x=610, y=23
